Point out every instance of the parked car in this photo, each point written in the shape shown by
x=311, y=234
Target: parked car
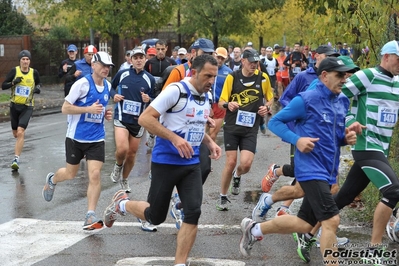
x=148, y=43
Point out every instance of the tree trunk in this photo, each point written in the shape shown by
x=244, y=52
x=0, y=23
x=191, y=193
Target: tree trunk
x=115, y=53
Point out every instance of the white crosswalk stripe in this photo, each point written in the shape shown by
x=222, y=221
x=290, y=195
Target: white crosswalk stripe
x=24, y=242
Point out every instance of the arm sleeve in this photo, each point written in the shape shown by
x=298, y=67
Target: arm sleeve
x=295, y=110
x=290, y=92
x=36, y=77
x=7, y=83
x=227, y=87
x=266, y=87
x=69, y=77
x=286, y=61
x=114, y=85
x=353, y=87
x=61, y=70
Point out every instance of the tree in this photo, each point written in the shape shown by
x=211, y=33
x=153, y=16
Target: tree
x=12, y=22
x=215, y=18
x=110, y=19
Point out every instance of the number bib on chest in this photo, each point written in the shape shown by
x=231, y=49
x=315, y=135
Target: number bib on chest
x=387, y=117
x=271, y=72
x=246, y=119
x=22, y=91
x=131, y=107
x=195, y=135
x=296, y=70
x=95, y=118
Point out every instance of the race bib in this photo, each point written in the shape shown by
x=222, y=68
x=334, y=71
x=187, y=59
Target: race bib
x=95, y=118
x=271, y=71
x=387, y=117
x=131, y=107
x=296, y=70
x=22, y=91
x=195, y=135
x=245, y=119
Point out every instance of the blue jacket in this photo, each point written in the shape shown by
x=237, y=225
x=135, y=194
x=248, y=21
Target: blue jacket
x=83, y=66
x=299, y=84
x=318, y=114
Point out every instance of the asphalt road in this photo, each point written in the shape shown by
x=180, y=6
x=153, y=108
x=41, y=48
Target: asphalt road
x=35, y=232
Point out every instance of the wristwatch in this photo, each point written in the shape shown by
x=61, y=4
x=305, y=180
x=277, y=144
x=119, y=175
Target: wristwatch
x=225, y=105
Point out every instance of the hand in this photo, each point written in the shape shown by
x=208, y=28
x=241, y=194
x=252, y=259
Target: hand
x=145, y=97
x=108, y=114
x=77, y=73
x=233, y=106
x=37, y=89
x=65, y=67
x=350, y=137
x=96, y=108
x=216, y=151
x=306, y=144
x=17, y=80
x=357, y=127
x=118, y=98
x=183, y=147
x=263, y=110
x=211, y=122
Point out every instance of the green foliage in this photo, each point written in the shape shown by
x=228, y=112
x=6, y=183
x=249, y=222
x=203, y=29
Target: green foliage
x=57, y=33
x=12, y=22
x=4, y=97
x=214, y=18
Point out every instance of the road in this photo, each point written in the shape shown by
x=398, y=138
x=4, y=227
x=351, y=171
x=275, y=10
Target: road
x=35, y=232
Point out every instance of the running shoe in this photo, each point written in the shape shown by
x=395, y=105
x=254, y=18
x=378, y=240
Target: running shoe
x=125, y=185
x=14, y=164
x=223, y=204
x=304, y=246
x=283, y=211
x=176, y=213
x=49, y=187
x=375, y=257
x=341, y=241
x=247, y=240
x=92, y=222
x=263, y=128
x=235, y=185
x=146, y=226
x=269, y=179
x=260, y=210
x=116, y=173
x=112, y=210
x=150, y=141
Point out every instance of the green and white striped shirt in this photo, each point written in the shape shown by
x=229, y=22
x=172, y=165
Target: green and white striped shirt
x=375, y=105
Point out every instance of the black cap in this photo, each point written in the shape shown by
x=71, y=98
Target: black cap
x=251, y=54
x=330, y=64
x=327, y=50
x=24, y=53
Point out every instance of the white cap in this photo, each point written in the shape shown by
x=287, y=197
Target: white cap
x=182, y=51
x=103, y=58
x=249, y=44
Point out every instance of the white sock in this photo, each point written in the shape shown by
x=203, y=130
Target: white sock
x=256, y=231
x=122, y=205
x=269, y=201
x=180, y=264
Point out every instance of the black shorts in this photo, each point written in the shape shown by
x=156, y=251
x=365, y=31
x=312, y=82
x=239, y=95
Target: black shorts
x=135, y=131
x=247, y=142
x=187, y=179
x=20, y=115
x=318, y=203
x=75, y=151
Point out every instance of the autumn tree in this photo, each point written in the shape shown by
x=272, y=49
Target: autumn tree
x=112, y=19
x=215, y=18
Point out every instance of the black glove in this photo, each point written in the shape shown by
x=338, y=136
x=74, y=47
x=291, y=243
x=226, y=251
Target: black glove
x=17, y=80
x=37, y=89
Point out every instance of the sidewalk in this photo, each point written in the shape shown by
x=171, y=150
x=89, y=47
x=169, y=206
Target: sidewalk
x=48, y=101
